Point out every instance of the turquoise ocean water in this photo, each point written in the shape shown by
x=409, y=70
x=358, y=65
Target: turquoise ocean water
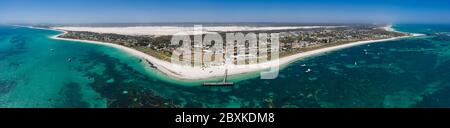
x=36, y=71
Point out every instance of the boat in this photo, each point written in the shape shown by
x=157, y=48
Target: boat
x=223, y=83
x=309, y=70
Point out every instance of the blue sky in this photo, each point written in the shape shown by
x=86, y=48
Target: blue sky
x=117, y=11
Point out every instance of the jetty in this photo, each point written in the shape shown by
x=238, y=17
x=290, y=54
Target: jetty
x=223, y=83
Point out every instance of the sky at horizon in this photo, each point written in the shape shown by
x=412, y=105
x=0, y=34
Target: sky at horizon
x=146, y=11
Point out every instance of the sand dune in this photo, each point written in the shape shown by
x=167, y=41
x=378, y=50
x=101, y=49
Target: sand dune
x=170, y=30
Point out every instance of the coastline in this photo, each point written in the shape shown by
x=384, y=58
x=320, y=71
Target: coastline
x=188, y=73
x=171, y=30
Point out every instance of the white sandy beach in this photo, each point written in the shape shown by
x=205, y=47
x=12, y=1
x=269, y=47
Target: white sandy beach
x=170, y=30
x=191, y=73
x=389, y=28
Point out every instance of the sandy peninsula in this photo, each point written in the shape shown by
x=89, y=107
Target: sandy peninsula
x=197, y=73
x=170, y=30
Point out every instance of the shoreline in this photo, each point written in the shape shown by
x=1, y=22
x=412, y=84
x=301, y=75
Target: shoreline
x=187, y=73
x=171, y=30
